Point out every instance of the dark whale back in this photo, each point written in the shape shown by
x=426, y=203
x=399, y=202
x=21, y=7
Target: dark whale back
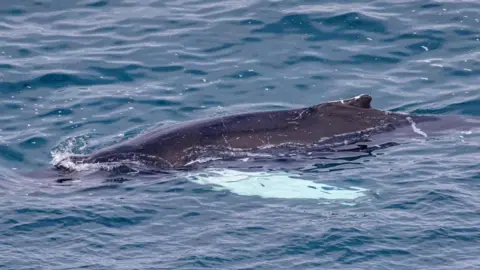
x=175, y=145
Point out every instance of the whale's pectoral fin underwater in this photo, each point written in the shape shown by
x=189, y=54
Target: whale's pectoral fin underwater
x=327, y=124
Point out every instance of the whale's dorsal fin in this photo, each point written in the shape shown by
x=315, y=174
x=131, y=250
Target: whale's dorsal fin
x=362, y=101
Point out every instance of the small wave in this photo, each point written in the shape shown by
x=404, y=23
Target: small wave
x=469, y=107
x=34, y=142
x=244, y=74
x=97, y=4
x=355, y=20
x=9, y=153
x=51, y=80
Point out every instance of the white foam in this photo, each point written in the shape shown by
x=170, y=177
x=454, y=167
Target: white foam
x=272, y=185
x=61, y=156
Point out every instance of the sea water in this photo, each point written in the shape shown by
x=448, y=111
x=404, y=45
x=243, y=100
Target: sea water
x=77, y=76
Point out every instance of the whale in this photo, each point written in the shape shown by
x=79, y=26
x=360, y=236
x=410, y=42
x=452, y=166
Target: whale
x=325, y=124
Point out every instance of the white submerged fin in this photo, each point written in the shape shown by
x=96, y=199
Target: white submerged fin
x=279, y=185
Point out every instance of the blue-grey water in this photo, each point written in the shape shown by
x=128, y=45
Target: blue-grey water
x=76, y=76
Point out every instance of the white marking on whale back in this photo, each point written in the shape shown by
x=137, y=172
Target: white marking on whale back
x=202, y=160
x=343, y=100
x=358, y=97
x=415, y=128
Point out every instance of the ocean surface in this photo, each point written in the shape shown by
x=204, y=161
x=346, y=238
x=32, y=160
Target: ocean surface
x=77, y=76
